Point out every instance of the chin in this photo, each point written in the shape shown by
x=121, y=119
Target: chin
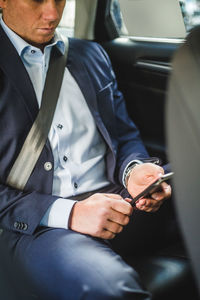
x=41, y=42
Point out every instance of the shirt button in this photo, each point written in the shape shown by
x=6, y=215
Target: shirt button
x=75, y=185
x=65, y=158
x=48, y=166
x=33, y=51
x=60, y=126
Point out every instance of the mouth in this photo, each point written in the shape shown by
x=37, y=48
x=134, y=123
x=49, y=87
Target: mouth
x=47, y=30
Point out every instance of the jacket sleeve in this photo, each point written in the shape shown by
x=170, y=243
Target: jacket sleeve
x=22, y=211
x=130, y=146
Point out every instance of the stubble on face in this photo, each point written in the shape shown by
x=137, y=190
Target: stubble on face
x=35, y=21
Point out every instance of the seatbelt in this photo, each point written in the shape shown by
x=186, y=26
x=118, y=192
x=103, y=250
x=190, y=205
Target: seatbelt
x=37, y=136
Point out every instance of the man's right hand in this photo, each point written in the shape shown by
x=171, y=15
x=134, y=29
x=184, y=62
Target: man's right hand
x=101, y=215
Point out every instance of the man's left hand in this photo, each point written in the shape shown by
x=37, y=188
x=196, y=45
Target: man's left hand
x=143, y=175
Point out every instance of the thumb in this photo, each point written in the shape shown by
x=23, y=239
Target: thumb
x=128, y=200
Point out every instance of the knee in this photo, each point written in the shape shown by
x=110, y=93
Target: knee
x=80, y=267
x=112, y=282
x=99, y=281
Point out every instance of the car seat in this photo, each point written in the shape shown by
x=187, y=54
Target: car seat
x=183, y=136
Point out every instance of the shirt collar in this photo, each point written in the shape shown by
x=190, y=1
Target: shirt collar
x=21, y=45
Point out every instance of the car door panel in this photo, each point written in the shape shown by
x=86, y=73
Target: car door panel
x=142, y=70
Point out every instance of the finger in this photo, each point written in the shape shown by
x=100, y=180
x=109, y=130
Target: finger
x=128, y=200
x=107, y=235
x=113, y=196
x=167, y=189
x=149, y=209
x=153, y=203
x=164, y=194
x=118, y=218
x=146, y=204
x=113, y=227
x=122, y=206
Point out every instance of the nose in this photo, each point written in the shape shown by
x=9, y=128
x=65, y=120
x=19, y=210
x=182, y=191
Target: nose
x=50, y=11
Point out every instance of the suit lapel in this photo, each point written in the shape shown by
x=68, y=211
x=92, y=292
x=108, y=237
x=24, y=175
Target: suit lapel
x=13, y=67
x=80, y=74
x=10, y=62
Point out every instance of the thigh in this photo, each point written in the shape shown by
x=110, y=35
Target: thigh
x=67, y=265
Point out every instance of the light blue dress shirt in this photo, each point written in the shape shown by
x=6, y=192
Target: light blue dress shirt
x=77, y=146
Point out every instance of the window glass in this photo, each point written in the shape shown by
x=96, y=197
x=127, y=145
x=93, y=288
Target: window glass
x=118, y=18
x=67, y=22
x=151, y=18
x=191, y=13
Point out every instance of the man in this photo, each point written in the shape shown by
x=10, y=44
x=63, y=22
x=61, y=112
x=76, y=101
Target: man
x=93, y=148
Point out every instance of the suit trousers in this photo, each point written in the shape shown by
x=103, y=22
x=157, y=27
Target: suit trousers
x=66, y=265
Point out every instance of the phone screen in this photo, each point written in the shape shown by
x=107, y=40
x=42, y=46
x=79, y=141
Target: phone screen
x=153, y=187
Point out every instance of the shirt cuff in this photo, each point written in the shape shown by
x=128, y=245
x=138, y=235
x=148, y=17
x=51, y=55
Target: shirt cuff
x=58, y=214
x=133, y=162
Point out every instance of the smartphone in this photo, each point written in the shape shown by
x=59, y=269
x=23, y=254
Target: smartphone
x=153, y=187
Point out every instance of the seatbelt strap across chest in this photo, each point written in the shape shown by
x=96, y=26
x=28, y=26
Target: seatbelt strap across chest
x=37, y=136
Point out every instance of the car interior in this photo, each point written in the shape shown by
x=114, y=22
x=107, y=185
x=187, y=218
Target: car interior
x=143, y=66
x=182, y=122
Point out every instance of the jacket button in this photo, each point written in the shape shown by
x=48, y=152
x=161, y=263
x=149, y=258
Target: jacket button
x=16, y=225
x=22, y=226
x=48, y=166
x=25, y=227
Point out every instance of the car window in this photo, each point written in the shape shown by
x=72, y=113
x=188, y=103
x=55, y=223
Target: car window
x=67, y=22
x=191, y=13
x=149, y=18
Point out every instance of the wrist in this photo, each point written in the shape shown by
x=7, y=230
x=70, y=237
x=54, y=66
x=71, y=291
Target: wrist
x=133, y=164
x=72, y=216
x=128, y=173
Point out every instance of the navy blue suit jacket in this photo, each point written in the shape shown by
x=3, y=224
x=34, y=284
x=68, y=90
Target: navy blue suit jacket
x=91, y=68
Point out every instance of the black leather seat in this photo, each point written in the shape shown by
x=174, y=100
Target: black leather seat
x=167, y=276
x=160, y=259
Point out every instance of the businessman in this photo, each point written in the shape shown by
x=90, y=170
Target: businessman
x=77, y=197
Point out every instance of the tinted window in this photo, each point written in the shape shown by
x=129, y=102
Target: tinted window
x=149, y=18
